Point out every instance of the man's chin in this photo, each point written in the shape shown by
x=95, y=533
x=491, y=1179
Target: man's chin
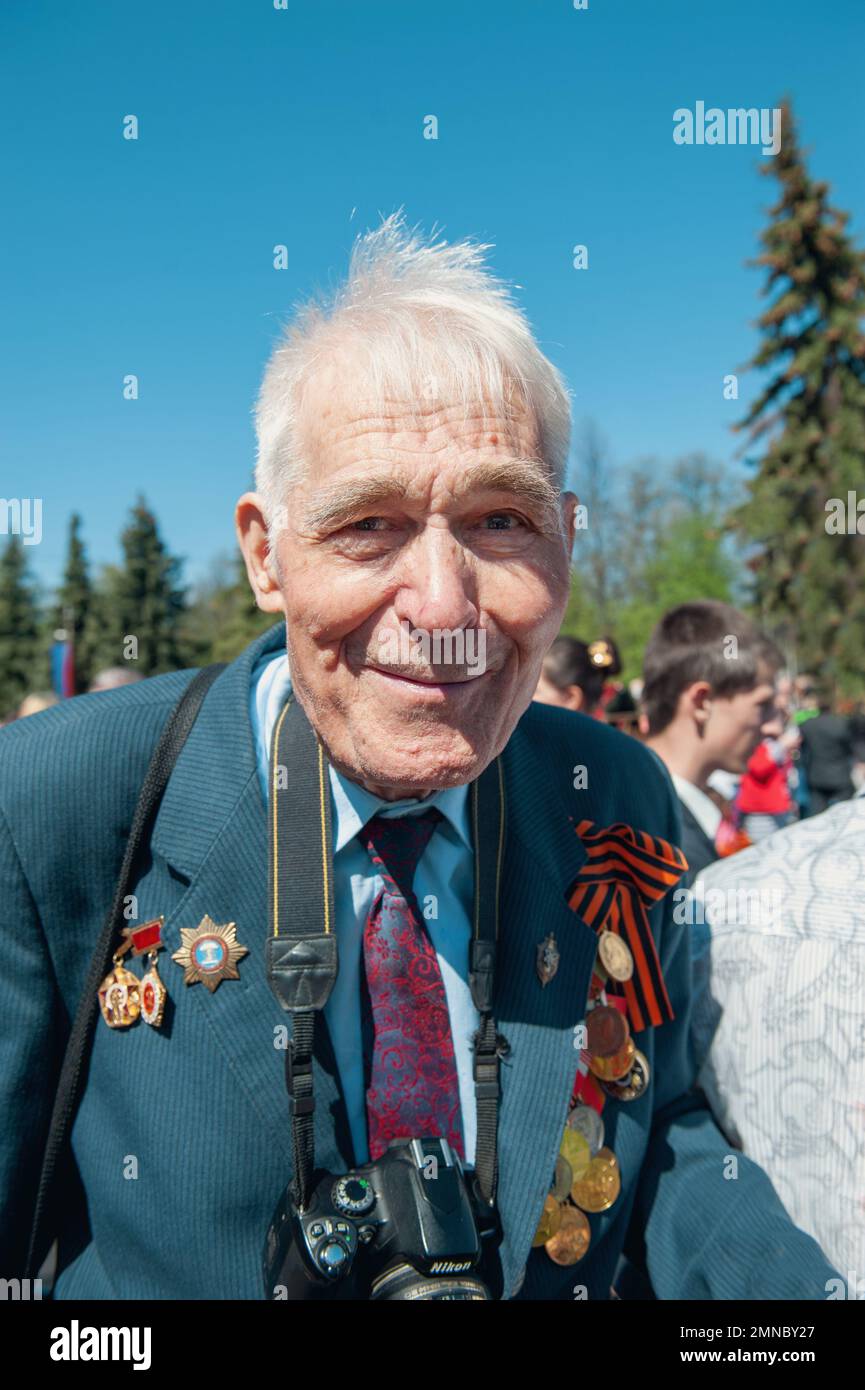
x=395, y=772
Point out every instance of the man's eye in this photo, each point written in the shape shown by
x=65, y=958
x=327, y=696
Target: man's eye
x=502, y=521
x=368, y=523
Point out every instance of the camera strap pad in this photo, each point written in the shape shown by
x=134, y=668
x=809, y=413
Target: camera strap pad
x=302, y=956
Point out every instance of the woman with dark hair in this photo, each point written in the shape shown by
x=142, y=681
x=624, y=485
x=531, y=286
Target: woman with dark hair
x=573, y=675
x=616, y=705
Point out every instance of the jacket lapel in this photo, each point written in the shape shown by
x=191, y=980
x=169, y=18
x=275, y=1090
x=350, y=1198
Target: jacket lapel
x=543, y=856
x=211, y=831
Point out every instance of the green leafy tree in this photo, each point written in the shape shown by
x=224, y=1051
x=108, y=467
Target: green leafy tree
x=224, y=617
x=691, y=561
x=809, y=419
x=21, y=667
x=664, y=542
x=597, y=544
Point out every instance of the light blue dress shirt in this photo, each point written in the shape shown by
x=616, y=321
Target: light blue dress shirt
x=444, y=887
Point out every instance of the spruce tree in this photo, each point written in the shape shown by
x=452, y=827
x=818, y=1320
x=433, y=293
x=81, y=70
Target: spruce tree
x=20, y=666
x=74, y=603
x=809, y=419
x=142, y=599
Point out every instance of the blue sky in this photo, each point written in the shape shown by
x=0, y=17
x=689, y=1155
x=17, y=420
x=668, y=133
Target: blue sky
x=302, y=127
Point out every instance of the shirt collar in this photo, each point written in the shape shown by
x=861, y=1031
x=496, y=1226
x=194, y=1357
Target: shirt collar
x=702, y=807
x=354, y=806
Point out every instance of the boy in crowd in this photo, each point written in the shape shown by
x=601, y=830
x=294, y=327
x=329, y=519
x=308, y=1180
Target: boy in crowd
x=708, y=697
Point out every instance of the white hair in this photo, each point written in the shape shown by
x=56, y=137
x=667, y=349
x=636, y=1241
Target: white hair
x=430, y=321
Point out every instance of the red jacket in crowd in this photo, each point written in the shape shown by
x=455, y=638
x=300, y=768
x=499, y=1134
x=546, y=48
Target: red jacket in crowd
x=765, y=789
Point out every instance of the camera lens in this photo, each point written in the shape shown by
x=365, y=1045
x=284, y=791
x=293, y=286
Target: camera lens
x=403, y=1283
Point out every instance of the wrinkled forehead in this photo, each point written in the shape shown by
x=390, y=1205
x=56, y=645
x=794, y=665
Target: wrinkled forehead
x=349, y=412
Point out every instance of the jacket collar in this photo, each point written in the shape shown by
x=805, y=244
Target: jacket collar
x=215, y=764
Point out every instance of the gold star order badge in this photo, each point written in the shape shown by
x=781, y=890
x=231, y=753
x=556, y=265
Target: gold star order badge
x=209, y=953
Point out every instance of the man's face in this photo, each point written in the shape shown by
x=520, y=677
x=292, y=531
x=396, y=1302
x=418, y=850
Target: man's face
x=737, y=724
x=396, y=533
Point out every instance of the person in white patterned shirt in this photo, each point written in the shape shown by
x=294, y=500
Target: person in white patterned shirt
x=778, y=1025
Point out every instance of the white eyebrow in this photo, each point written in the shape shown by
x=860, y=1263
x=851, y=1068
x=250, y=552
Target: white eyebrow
x=522, y=478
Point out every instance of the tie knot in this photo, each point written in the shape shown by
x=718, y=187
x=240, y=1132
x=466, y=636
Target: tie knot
x=395, y=845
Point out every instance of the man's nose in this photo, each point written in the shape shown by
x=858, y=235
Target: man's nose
x=439, y=587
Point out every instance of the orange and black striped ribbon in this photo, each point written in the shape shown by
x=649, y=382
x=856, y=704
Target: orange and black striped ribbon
x=626, y=873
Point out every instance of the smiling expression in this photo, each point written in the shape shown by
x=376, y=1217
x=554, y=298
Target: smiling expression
x=406, y=521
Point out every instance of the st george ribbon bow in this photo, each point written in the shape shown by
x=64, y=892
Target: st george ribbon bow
x=627, y=872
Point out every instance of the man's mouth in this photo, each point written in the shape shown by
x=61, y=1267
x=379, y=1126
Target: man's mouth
x=433, y=680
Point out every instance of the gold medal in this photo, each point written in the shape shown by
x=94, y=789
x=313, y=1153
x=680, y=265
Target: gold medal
x=551, y=1220
x=587, y=1122
x=563, y=1179
x=613, y=1068
x=635, y=1083
x=606, y=1031
x=575, y=1149
x=153, y=995
x=606, y=1158
x=600, y=1187
x=209, y=953
x=615, y=956
x=571, y=1240
x=118, y=997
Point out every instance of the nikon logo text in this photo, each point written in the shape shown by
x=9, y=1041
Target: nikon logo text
x=102, y=1344
x=450, y=1266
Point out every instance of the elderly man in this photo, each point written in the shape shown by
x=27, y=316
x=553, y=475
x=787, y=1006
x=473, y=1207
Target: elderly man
x=379, y=876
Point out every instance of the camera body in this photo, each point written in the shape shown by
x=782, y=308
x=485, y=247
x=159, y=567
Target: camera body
x=406, y=1227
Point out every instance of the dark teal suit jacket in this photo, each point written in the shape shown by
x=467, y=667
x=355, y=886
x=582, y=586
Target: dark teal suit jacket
x=182, y=1139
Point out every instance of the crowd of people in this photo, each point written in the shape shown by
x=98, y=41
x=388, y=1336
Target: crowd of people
x=805, y=750
x=38, y=700
x=770, y=776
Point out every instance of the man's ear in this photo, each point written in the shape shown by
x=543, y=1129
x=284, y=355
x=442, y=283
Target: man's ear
x=697, y=702
x=569, y=516
x=260, y=564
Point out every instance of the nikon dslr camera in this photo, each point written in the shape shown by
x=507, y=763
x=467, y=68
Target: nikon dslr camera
x=406, y=1227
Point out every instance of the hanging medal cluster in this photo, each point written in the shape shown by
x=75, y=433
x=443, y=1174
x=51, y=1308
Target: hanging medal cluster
x=587, y=1177
x=627, y=872
x=123, y=997
x=208, y=955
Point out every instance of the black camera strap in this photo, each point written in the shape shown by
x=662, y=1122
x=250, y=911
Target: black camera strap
x=73, y=1073
x=302, y=960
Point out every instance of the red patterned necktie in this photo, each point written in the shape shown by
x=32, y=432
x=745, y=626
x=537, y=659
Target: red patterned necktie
x=413, y=1088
